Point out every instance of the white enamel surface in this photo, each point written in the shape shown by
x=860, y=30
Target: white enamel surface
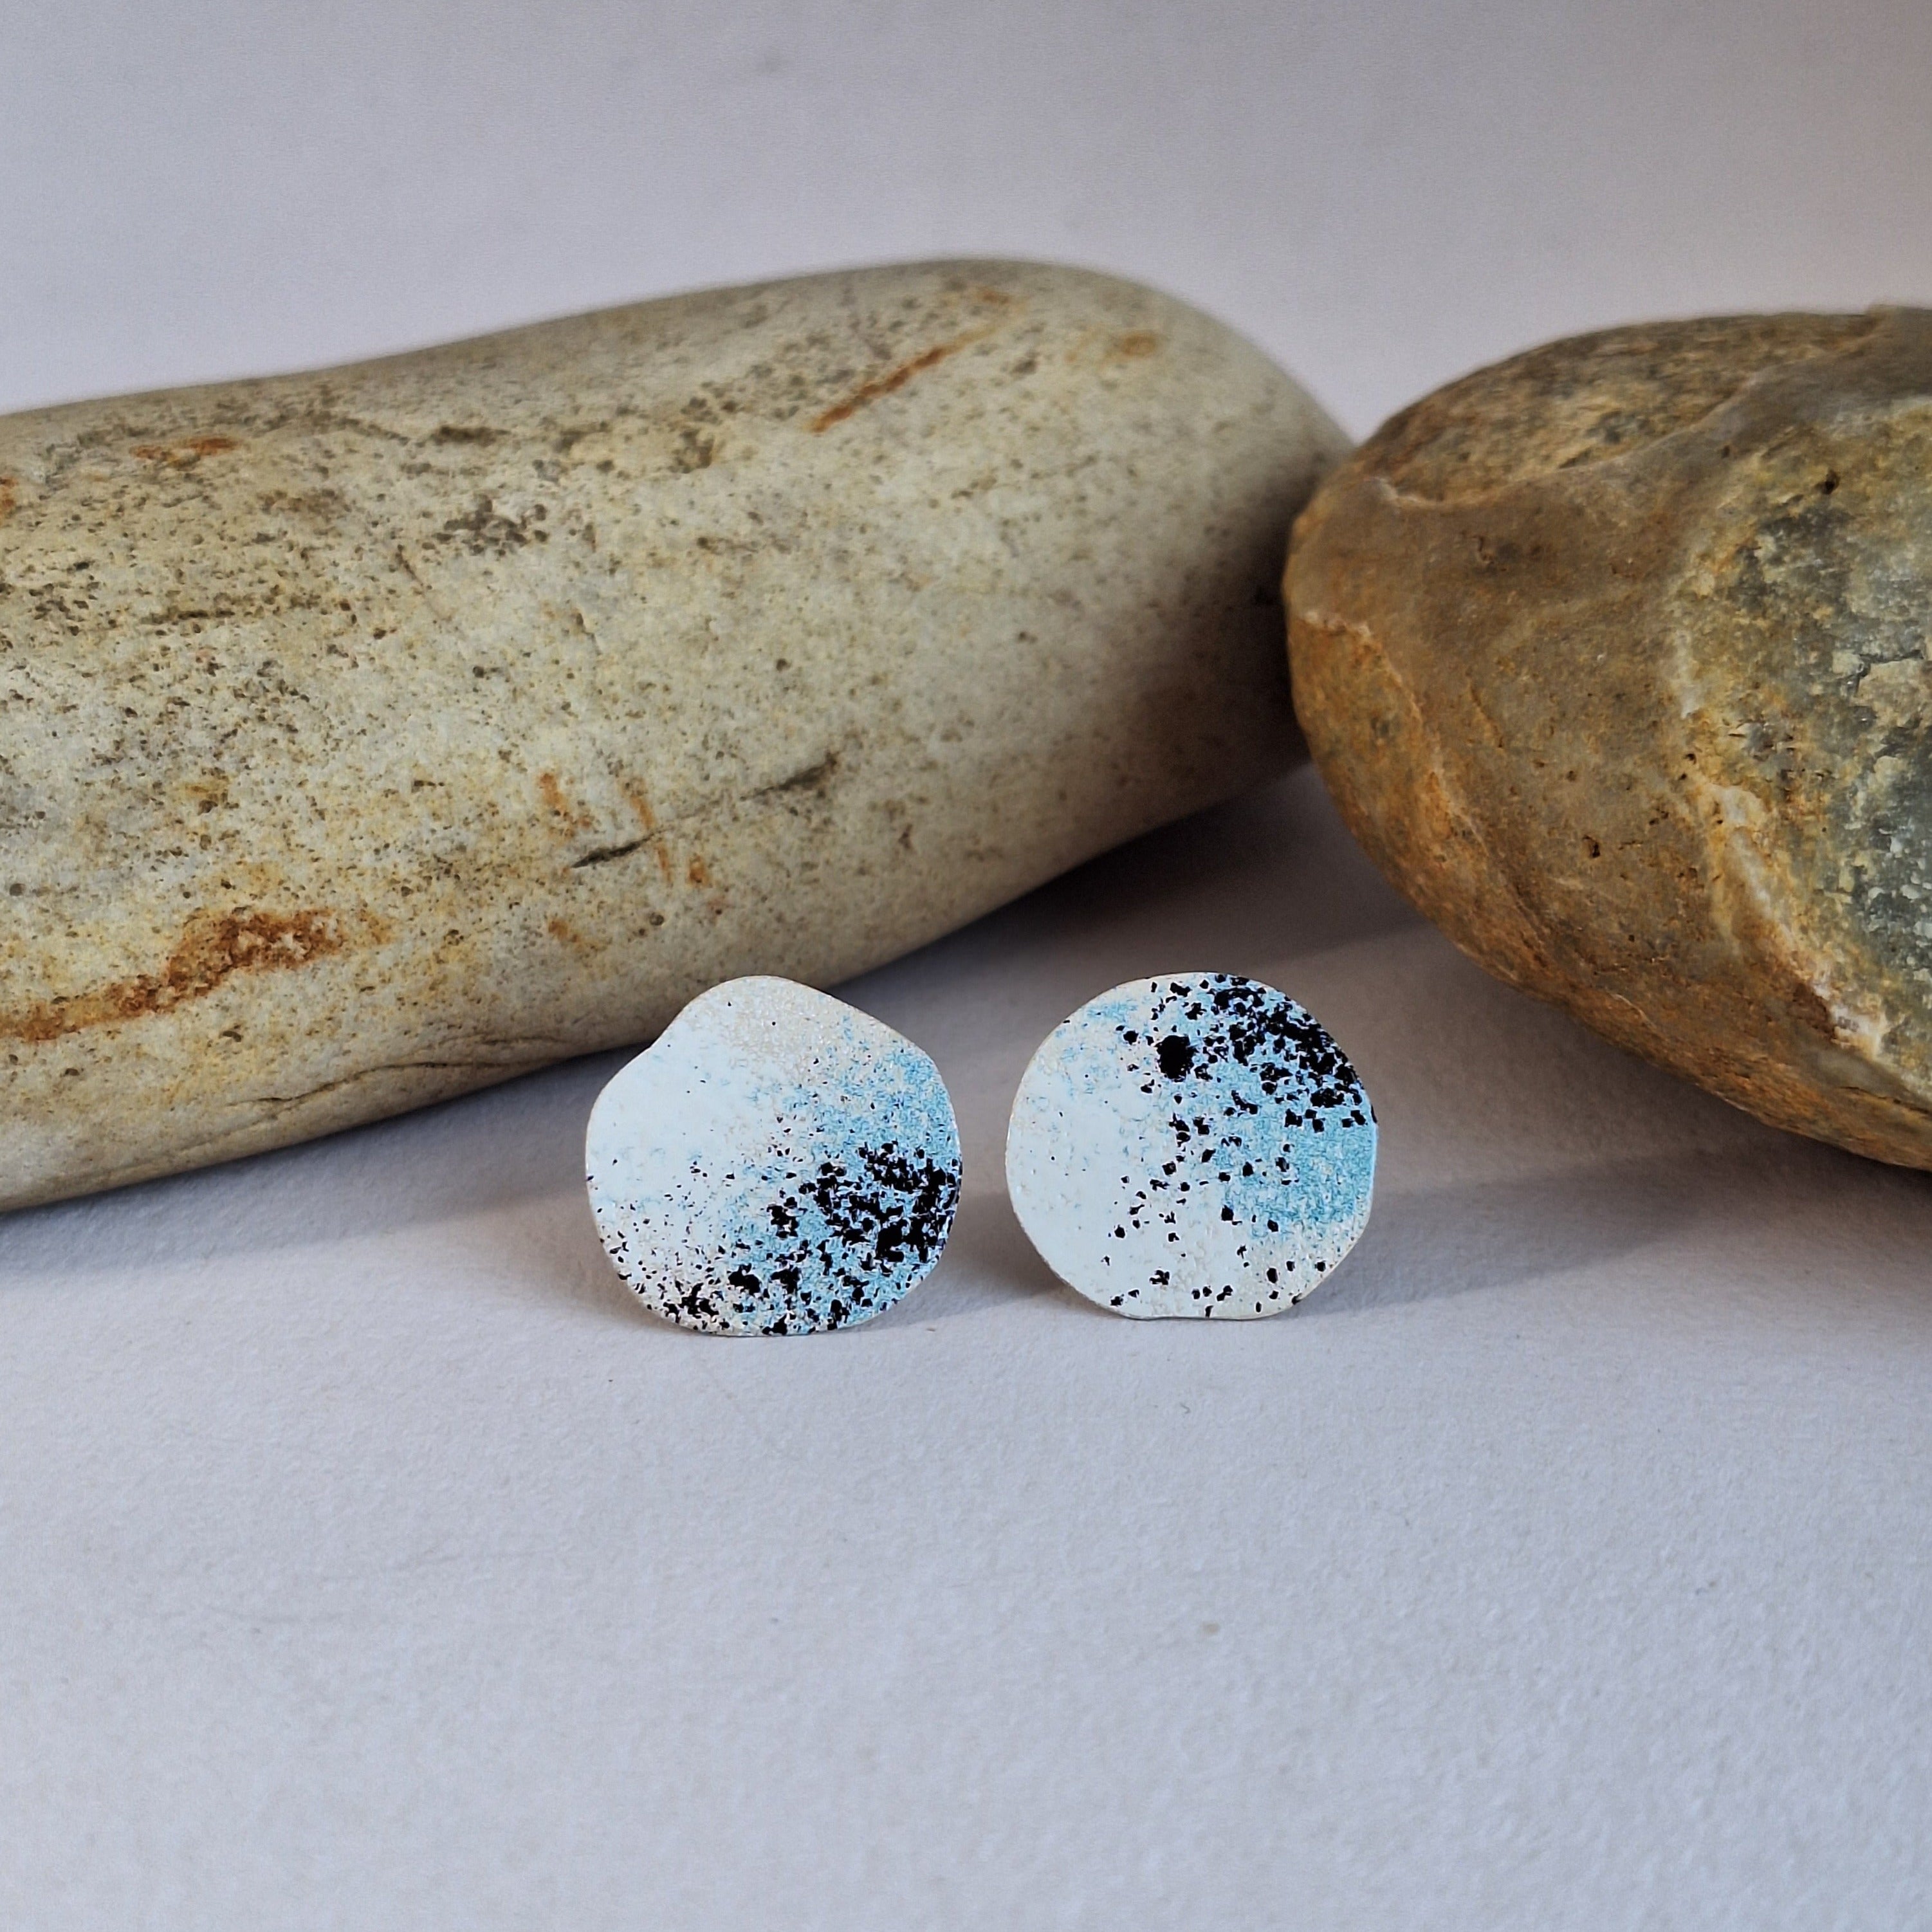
x=775, y=1162
x=1195, y=1145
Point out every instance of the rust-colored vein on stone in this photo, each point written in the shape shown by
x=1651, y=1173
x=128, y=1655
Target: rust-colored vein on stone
x=182, y=455
x=896, y=379
x=212, y=947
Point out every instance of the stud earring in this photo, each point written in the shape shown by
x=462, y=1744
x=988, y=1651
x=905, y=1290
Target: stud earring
x=1196, y=1145
x=776, y=1163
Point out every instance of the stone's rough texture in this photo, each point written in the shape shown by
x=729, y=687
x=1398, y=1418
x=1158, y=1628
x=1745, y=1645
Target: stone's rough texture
x=778, y=1162
x=1615, y=657
x=1196, y=1145
x=370, y=735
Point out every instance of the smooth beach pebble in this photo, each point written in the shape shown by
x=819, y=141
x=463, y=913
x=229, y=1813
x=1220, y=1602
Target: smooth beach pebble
x=776, y=1163
x=373, y=735
x=1195, y=1145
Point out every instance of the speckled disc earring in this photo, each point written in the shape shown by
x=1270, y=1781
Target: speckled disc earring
x=776, y=1163
x=1196, y=1145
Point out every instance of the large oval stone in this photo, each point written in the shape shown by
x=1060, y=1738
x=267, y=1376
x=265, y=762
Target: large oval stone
x=369, y=736
x=1615, y=657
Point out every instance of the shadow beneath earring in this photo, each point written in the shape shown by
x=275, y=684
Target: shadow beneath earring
x=1430, y=1244
x=1418, y=1246
x=1437, y=1242
x=1453, y=1241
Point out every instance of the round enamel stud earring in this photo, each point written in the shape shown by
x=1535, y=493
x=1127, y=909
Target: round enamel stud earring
x=776, y=1163
x=1196, y=1145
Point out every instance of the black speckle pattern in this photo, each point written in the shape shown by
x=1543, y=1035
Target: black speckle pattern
x=1196, y=1144
x=777, y=1164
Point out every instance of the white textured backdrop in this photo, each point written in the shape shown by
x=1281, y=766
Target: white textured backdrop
x=366, y=1561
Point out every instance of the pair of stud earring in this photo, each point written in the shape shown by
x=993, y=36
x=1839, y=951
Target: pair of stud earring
x=778, y=1163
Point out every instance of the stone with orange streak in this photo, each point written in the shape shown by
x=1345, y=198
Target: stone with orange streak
x=370, y=735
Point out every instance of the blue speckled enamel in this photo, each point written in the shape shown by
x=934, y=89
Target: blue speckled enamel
x=777, y=1163
x=1196, y=1144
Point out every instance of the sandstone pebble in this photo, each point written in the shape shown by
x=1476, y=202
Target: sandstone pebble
x=1618, y=658
x=369, y=736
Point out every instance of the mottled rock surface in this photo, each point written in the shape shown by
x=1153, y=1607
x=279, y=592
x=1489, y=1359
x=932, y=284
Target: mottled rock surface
x=369, y=736
x=1615, y=657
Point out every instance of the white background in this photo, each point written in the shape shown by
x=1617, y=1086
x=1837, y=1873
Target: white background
x=367, y=1560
